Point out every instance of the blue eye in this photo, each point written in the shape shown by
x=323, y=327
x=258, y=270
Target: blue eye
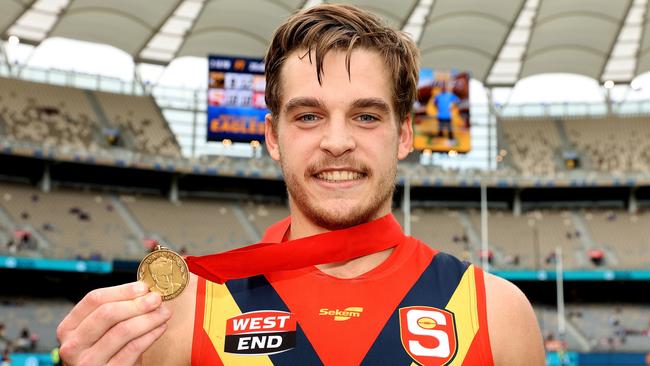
x=367, y=118
x=308, y=118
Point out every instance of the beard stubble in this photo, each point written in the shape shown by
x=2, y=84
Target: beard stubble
x=333, y=218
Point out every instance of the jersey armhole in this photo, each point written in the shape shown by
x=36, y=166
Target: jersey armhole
x=199, y=312
x=484, y=334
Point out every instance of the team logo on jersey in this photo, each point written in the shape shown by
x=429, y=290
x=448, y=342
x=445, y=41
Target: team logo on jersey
x=262, y=332
x=428, y=334
x=341, y=315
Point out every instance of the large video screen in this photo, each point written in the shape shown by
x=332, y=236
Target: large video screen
x=441, y=113
x=236, y=106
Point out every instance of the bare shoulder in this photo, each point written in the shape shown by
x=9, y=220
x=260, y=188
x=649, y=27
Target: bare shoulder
x=514, y=332
x=174, y=347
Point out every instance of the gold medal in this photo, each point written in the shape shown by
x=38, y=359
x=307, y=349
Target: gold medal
x=165, y=272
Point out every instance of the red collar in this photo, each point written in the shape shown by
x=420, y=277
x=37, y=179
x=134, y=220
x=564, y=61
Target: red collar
x=272, y=255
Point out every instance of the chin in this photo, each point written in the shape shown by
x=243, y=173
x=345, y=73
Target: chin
x=340, y=217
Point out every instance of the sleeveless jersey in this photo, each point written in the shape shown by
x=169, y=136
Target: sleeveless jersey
x=419, y=307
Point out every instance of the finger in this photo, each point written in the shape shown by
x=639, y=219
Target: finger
x=111, y=314
x=132, y=351
x=123, y=334
x=96, y=298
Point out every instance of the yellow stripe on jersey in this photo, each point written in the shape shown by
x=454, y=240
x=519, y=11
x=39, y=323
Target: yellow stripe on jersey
x=219, y=307
x=464, y=305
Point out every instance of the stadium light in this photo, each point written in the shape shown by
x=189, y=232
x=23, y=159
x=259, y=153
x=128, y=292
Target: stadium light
x=635, y=85
x=452, y=153
x=608, y=84
x=13, y=40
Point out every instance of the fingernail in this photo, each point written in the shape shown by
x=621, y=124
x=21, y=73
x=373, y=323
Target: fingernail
x=140, y=287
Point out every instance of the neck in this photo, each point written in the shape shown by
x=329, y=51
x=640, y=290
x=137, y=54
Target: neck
x=302, y=227
x=355, y=267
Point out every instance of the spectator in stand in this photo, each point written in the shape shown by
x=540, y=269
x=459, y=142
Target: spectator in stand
x=550, y=258
x=597, y=257
x=11, y=246
x=6, y=361
x=489, y=255
x=33, y=341
x=22, y=344
x=4, y=342
x=512, y=260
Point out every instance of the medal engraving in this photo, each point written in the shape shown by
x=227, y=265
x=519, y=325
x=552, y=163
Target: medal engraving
x=165, y=272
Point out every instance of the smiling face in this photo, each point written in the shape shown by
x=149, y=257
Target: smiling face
x=338, y=143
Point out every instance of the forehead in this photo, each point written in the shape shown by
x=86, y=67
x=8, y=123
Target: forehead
x=368, y=77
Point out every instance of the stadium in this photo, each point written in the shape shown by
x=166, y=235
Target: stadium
x=117, y=133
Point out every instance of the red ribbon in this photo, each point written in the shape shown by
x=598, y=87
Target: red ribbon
x=329, y=247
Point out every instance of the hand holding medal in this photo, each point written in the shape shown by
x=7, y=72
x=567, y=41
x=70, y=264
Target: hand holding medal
x=115, y=325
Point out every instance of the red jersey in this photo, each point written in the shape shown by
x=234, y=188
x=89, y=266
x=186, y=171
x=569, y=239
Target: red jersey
x=419, y=307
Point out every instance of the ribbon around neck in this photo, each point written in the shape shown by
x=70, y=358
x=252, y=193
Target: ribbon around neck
x=330, y=247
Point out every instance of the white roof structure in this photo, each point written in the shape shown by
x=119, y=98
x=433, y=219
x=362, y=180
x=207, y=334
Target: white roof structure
x=498, y=41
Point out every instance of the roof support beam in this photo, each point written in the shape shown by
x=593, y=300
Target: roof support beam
x=610, y=58
x=25, y=9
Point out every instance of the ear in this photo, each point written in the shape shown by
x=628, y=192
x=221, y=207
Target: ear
x=271, y=138
x=405, y=138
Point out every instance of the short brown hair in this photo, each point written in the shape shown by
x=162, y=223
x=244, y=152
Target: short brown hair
x=323, y=28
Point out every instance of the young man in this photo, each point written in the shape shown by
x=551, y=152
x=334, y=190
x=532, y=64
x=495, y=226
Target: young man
x=340, y=86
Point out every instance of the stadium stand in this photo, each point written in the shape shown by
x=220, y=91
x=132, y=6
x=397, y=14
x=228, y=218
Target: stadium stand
x=514, y=239
x=74, y=224
x=195, y=226
x=262, y=215
x=140, y=116
x=547, y=319
x=48, y=115
x=442, y=230
x=624, y=236
x=40, y=317
x=612, y=327
x=70, y=118
x=613, y=144
x=534, y=144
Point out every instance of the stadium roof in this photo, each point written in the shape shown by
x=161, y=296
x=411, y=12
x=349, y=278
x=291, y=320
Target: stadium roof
x=499, y=41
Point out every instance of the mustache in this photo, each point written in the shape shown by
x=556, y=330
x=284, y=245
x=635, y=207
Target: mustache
x=329, y=162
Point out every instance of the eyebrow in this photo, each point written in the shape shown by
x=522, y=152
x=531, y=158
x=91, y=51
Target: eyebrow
x=302, y=102
x=376, y=103
x=362, y=103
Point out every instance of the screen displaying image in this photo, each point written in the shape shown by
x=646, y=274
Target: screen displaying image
x=441, y=113
x=236, y=107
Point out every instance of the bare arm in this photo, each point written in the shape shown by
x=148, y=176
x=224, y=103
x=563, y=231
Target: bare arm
x=174, y=347
x=514, y=332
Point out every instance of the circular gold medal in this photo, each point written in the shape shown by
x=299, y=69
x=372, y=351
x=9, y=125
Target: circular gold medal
x=165, y=272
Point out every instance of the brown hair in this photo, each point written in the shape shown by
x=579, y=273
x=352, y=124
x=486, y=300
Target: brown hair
x=323, y=28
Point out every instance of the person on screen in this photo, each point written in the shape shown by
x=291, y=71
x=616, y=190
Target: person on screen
x=340, y=88
x=444, y=102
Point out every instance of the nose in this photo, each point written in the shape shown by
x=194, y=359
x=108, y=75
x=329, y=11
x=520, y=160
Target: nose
x=338, y=138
